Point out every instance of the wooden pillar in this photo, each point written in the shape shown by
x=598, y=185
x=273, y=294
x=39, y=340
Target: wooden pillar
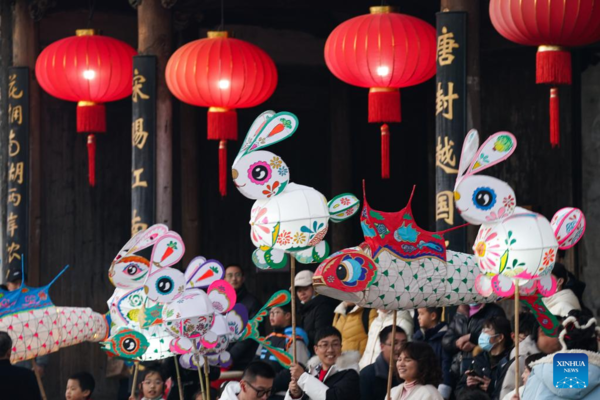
x=154, y=38
x=5, y=62
x=190, y=181
x=341, y=157
x=25, y=51
x=473, y=76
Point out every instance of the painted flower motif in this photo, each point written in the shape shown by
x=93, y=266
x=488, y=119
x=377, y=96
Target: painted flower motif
x=257, y=227
x=345, y=201
x=282, y=171
x=276, y=162
x=487, y=241
x=350, y=211
x=493, y=216
x=271, y=190
x=299, y=238
x=509, y=202
x=549, y=257
x=284, y=238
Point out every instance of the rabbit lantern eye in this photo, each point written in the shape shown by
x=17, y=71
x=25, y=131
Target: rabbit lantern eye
x=259, y=173
x=164, y=285
x=484, y=198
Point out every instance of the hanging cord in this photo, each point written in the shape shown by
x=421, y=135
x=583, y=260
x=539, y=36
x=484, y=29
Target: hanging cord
x=222, y=26
x=92, y=8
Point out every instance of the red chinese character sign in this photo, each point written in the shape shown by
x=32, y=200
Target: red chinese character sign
x=223, y=74
x=551, y=25
x=91, y=70
x=364, y=52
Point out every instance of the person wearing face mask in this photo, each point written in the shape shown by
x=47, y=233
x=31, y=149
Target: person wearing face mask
x=315, y=312
x=489, y=367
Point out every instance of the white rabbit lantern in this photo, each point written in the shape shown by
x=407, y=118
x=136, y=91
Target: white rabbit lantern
x=513, y=244
x=286, y=217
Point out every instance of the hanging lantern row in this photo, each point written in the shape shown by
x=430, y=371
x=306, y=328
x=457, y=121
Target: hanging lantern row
x=383, y=51
x=224, y=74
x=552, y=25
x=91, y=70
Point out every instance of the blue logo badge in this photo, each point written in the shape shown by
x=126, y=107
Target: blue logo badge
x=570, y=371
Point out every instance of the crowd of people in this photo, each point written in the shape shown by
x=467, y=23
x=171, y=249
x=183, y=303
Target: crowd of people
x=344, y=351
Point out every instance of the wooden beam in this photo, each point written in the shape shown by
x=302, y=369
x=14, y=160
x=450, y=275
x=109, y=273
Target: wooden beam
x=190, y=181
x=25, y=51
x=154, y=38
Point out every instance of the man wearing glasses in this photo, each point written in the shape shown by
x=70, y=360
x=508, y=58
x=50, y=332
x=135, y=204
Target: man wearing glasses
x=256, y=383
x=333, y=377
x=374, y=377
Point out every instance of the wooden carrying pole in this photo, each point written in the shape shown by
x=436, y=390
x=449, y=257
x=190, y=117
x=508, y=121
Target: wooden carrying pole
x=39, y=380
x=293, y=287
x=517, y=373
x=202, y=390
x=391, y=366
x=136, y=368
x=178, y=378
x=206, y=371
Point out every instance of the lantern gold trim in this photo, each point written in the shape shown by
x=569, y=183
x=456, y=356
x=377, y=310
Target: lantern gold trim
x=217, y=34
x=550, y=48
x=382, y=89
x=383, y=9
x=85, y=32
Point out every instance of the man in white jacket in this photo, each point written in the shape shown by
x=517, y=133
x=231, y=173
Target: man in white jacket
x=256, y=383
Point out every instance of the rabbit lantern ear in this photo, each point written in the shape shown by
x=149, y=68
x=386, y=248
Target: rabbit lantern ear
x=267, y=130
x=494, y=150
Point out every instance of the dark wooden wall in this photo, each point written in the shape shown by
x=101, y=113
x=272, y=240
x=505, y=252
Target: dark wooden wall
x=86, y=227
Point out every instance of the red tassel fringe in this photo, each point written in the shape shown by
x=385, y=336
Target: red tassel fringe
x=91, y=118
x=554, y=118
x=222, y=125
x=553, y=66
x=223, y=168
x=385, y=152
x=384, y=105
x=91, y=146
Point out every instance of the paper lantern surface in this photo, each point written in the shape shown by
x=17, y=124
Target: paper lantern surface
x=286, y=217
x=37, y=327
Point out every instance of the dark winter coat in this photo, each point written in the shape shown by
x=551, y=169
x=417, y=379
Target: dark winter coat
x=242, y=353
x=315, y=314
x=373, y=380
x=494, y=367
x=434, y=337
x=458, y=327
x=17, y=383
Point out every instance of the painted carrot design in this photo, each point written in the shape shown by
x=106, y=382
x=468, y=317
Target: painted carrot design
x=171, y=247
x=283, y=123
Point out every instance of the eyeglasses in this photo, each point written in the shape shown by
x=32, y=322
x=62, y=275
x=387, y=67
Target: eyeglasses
x=260, y=392
x=325, y=346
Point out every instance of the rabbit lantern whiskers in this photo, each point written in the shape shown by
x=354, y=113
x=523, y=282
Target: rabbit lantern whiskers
x=512, y=243
x=286, y=217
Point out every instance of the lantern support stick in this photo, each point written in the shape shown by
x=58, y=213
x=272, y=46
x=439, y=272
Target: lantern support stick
x=293, y=287
x=135, y=374
x=197, y=361
x=39, y=379
x=178, y=378
x=391, y=366
x=517, y=373
x=206, y=371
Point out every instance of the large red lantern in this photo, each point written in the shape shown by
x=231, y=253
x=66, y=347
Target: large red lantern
x=383, y=51
x=224, y=74
x=91, y=70
x=551, y=25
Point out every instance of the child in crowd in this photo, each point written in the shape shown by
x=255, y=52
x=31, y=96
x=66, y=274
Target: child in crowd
x=80, y=386
x=432, y=332
x=512, y=395
x=152, y=386
x=281, y=337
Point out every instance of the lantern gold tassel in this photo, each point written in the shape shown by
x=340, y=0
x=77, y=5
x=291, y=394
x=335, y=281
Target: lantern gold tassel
x=554, y=118
x=385, y=151
x=91, y=146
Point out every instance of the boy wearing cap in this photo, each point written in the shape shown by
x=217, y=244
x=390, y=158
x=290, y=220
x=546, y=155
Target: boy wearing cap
x=315, y=312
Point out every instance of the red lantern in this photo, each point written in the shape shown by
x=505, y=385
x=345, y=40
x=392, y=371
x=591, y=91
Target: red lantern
x=551, y=25
x=91, y=70
x=383, y=51
x=223, y=74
